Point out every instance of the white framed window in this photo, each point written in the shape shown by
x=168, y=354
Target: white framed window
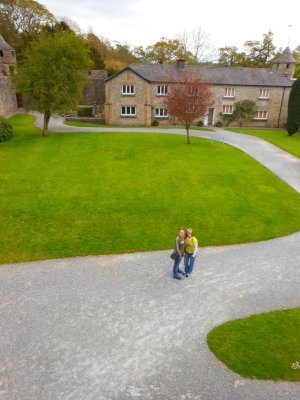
x=128, y=89
x=229, y=92
x=227, y=109
x=161, y=113
x=264, y=94
x=261, y=115
x=162, y=90
x=128, y=111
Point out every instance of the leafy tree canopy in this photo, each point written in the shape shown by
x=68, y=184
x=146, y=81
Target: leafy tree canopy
x=52, y=74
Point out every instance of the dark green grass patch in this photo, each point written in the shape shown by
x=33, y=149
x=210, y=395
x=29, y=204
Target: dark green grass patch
x=263, y=346
x=92, y=193
x=280, y=138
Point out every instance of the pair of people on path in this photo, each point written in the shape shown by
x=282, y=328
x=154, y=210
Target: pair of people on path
x=186, y=246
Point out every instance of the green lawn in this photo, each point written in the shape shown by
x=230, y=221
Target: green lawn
x=280, y=138
x=90, y=125
x=91, y=193
x=263, y=346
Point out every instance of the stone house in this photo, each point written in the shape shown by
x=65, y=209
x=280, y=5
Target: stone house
x=134, y=96
x=8, y=100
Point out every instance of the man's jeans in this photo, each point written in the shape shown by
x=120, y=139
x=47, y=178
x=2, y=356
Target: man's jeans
x=188, y=263
x=176, y=266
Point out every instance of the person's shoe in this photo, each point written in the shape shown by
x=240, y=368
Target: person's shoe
x=180, y=271
x=177, y=277
x=186, y=275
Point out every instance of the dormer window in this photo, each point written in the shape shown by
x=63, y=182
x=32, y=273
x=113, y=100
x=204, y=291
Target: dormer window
x=128, y=90
x=264, y=94
x=162, y=90
x=229, y=92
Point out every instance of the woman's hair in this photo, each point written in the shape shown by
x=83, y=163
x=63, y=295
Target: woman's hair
x=188, y=230
x=181, y=229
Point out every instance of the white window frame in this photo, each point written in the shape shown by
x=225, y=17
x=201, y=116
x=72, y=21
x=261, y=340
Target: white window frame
x=162, y=90
x=161, y=113
x=227, y=109
x=261, y=115
x=229, y=92
x=128, y=111
x=264, y=93
x=128, y=90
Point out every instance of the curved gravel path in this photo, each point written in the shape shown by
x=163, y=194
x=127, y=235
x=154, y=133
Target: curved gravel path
x=119, y=327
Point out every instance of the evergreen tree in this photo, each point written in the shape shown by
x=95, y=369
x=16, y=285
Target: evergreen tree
x=293, y=121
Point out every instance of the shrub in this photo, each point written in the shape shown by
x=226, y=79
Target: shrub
x=200, y=123
x=85, y=111
x=154, y=122
x=293, y=121
x=219, y=124
x=6, y=130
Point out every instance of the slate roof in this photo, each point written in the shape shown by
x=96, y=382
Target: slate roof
x=167, y=73
x=4, y=45
x=285, y=58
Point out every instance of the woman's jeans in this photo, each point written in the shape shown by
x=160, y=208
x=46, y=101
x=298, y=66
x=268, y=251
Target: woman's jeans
x=188, y=263
x=176, y=266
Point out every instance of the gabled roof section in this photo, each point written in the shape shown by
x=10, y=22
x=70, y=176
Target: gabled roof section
x=242, y=76
x=285, y=58
x=126, y=69
x=4, y=45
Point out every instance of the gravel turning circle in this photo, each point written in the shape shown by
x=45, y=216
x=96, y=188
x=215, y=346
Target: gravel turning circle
x=119, y=326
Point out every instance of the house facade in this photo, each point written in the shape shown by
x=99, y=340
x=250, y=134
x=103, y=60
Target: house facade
x=135, y=95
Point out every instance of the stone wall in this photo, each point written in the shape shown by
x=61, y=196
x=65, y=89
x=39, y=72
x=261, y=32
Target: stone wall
x=115, y=100
x=94, y=93
x=146, y=99
x=8, y=101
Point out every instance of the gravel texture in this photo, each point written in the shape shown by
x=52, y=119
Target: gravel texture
x=119, y=326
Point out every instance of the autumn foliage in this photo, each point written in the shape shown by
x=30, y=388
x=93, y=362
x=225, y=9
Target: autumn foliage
x=189, y=98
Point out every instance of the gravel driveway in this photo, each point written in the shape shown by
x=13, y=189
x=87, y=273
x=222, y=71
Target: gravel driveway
x=119, y=327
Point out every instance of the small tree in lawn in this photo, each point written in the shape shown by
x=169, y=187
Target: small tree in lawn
x=53, y=73
x=293, y=121
x=189, y=98
x=243, y=111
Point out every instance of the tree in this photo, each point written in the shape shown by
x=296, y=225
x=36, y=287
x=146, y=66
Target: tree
x=20, y=20
x=53, y=73
x=256, y=53
x=189, y=99
x=243, y=111
x=163, y=51
x=259, y=54
x=293, y=121
x=196, y=45
x=230, y=57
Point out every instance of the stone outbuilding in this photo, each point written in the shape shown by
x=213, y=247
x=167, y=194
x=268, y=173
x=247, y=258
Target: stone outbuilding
x=8, y=100
x=134, y=96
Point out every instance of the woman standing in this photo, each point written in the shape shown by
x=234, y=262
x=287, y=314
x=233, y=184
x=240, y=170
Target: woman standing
x=191, y=248
x=179, y=248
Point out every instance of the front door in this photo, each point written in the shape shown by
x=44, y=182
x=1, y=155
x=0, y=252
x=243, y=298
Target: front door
x=210, y=118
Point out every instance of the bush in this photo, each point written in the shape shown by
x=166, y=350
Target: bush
x=154, y=122
x=6, y=130
x=200, y=123
x=85, y=111
x=293, y=121
x=219, y=124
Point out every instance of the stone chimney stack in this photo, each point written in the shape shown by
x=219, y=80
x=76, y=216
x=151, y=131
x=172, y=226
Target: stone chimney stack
x=285, y=64
x=181, y=63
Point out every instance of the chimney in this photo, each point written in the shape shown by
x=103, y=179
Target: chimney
x=180, y=63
